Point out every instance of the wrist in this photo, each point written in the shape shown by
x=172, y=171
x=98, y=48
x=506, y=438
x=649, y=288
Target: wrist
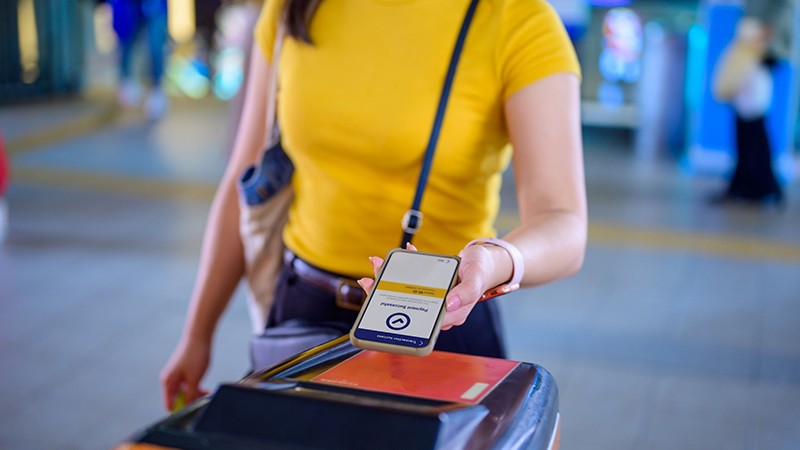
x=510, y=253
x=193, y=336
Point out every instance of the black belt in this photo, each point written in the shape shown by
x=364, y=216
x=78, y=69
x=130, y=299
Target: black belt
x=349, y=295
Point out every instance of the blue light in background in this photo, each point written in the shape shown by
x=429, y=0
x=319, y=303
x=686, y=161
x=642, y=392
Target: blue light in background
x=609, y=3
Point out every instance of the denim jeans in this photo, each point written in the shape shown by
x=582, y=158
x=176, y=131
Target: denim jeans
x=130, y=17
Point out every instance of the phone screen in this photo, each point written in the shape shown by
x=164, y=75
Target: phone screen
x=404, y=305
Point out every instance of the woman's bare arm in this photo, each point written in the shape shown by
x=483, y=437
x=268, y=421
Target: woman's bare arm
x=221, y=263
x=544, y=126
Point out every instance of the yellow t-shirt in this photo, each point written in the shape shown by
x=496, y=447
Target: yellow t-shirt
x=356, y=110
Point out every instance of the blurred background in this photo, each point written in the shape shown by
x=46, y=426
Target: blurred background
x=681, y=331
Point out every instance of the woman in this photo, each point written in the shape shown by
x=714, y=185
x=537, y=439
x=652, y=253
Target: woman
x=359, y=84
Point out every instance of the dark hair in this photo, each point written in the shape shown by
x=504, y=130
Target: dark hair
x=298, y=14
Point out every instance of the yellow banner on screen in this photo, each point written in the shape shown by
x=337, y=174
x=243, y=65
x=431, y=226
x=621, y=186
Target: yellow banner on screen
x=404, y=288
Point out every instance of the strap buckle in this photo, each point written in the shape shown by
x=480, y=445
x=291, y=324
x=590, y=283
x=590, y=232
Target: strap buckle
x=412, y=221
x=349, y=294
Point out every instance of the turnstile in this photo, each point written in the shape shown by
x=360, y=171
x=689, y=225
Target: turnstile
x=335, y=396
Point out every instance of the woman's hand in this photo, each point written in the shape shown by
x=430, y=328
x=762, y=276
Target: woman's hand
x=482, y=267
x=183, y=372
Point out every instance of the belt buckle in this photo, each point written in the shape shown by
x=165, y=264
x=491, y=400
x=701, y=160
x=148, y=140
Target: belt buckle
x=344, y=287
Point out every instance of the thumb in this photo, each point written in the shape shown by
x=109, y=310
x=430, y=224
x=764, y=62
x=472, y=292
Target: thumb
x=467, y=292
x=170, y=391
x=192, y=391
x=366, y=284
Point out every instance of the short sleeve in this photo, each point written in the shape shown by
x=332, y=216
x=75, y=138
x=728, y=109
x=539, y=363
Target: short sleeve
x=266, y=27
x=533, y=45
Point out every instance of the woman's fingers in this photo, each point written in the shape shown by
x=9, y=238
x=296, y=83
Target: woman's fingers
x=467, y=292
x=475, y=263
x=470, y=286
x=170, y=386
x=376, y=264
x=366, y=284
x=456, y=318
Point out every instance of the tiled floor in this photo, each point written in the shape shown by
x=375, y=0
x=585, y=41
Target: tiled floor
x=681, y=331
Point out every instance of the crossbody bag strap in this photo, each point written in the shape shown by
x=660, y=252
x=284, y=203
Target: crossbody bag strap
x=271, y=133
x=412, y=220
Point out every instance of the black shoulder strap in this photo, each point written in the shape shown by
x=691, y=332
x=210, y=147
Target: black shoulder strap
x=412, y=220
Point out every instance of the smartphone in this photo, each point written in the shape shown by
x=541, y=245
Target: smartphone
x=404, y=311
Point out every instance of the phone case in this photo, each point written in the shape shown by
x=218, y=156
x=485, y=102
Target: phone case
x=396, y=348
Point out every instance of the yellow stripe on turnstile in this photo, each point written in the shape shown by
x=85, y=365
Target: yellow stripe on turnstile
x=405, y=288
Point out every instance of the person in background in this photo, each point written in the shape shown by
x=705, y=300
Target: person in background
x=743, y=78
x=130, y=18
x=205, y=16
x=358, y=87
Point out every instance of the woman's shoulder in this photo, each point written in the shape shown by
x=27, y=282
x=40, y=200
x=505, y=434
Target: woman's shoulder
x=532, y=43
x=514, y=13
x=267, y=26
x=529, y=6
